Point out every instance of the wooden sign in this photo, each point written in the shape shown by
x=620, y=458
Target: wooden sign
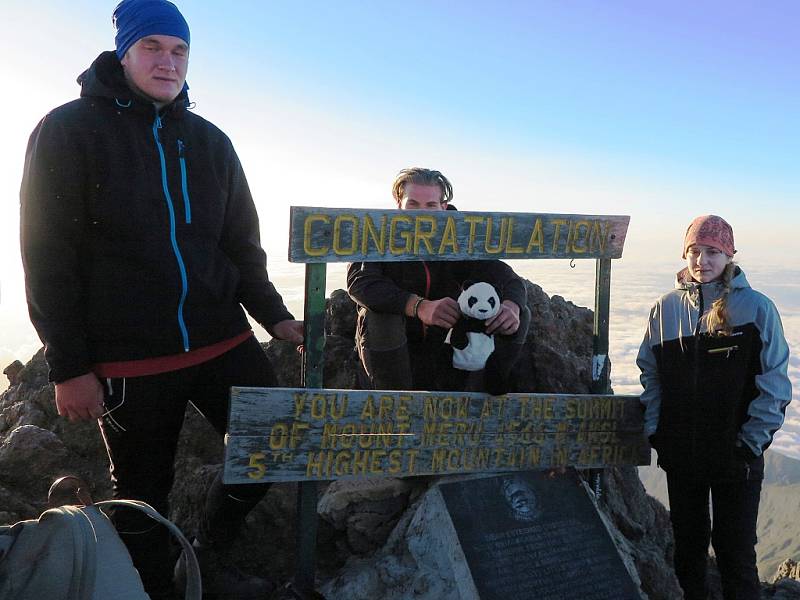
x=288, y=434
x=355, y=235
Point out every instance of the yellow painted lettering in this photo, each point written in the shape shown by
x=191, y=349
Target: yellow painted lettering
x=314, y=464
x=423, y=236
x=257, y=463
x=494, y=249
x=395, y=461
x=378, y=235
x=557, y=223
x=278, y=436
x=438, y=458
x=329, y=435
x=449, y=237
x=368, y=411
x=348, y=435
x=308, y=235
x=453, y=457
x=342, y=463
x=338, y=229
x=318, y=408
x=375, y=466
x=298, y=427
x=580, y=237
x=473, y=224
x=412, y=458
x=299, y=404
x=405, y=234
x=598, y=237
x=537, y=238
x=360, y=462
x=510, y=247
x=338, y=407
x=385, y=406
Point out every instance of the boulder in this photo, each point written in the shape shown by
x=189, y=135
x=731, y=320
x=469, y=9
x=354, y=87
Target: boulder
x=31, y=458
x=366, y=511
x=788, y=569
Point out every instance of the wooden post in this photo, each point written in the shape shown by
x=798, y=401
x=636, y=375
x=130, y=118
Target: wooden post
x=312, y=377
x=601, y=371
x=601, y=381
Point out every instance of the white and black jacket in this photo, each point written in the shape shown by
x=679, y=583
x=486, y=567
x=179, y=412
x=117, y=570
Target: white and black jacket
x=711, y=398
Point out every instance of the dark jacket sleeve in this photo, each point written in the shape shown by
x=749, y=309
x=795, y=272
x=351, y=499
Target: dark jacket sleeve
x=765, y=413
x=52, y=221
x=370, y=287
x=241, y=243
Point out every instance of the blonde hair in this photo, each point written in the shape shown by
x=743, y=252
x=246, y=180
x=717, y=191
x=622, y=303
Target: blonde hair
x=421, y=176
x=717, y=317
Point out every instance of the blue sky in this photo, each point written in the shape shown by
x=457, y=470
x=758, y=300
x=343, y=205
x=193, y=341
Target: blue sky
x=658, y=110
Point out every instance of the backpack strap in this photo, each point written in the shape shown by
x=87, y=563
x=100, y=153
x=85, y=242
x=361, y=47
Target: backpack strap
x=85, y=556
x=194, y=587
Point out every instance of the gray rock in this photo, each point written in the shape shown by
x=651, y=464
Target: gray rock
x=340, y=315
x=788, y=569
x=366, y=511
x=12, y=372
x=786, y=589
x=416, y=562
x=31, y=457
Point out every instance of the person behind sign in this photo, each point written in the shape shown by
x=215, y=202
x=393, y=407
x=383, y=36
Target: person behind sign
x=405, y=309
x=140, y=244
x=714, y=371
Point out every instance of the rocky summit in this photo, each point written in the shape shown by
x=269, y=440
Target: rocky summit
x=377, y=538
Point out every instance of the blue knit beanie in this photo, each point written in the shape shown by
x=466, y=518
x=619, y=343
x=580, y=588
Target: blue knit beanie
x=135, y=19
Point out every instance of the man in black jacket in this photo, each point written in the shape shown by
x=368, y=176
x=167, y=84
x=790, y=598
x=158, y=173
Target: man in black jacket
x=140, y=244
x=406, y=308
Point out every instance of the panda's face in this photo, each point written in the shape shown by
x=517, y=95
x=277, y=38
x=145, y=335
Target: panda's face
x=479, y=301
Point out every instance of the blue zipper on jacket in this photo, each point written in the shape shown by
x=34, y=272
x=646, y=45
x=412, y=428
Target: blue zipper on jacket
x=173, y=238
x=187, y=207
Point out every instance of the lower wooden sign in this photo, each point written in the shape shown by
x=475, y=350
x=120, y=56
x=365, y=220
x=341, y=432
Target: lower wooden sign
x=291, y=434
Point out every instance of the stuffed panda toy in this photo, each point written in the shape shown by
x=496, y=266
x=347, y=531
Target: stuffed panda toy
x=471, y=345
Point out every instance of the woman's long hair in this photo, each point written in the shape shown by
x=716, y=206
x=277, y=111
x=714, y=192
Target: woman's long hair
x=717, y=317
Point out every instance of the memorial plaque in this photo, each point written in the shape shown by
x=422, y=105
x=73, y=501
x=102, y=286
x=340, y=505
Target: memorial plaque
x=536, y=534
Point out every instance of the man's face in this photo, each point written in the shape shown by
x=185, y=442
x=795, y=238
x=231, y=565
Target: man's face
x=422, y=197
x=155, y=67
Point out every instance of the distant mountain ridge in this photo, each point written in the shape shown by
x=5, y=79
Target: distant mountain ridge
x=780, y=469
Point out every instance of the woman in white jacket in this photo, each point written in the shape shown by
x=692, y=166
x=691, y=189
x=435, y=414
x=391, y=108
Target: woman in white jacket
x=714, y=370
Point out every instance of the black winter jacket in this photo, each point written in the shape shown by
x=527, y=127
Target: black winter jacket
x=139, y=234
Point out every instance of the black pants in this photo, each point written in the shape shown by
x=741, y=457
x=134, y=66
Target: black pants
x=733, y=535
x=391, y=362
x=141, y=435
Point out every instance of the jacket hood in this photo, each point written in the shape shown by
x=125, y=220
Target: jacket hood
x=105, y=79
x=712, y=289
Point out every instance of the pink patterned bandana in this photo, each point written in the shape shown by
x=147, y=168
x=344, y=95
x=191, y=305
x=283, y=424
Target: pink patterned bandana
x=710, y=230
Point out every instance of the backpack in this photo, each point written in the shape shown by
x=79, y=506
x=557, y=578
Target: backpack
x=74, y=553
